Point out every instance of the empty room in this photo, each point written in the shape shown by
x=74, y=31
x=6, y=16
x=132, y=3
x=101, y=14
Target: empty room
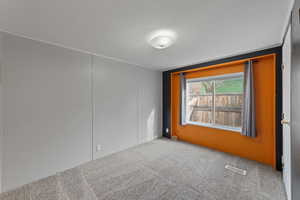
x=149, y=100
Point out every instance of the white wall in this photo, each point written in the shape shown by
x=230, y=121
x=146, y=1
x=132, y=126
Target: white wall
x=48, y=108
x=1, y=124
x=127, y=105
x=150, y=102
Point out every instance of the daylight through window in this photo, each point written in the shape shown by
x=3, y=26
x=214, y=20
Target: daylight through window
x=215, y=101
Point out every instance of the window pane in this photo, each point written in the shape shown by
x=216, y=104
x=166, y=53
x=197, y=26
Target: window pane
x=228, y=102
x=199, y=101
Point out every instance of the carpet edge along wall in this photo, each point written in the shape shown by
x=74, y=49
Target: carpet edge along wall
x=266, y=147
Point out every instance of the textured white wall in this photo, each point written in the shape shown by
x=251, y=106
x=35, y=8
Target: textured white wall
x=48, y=109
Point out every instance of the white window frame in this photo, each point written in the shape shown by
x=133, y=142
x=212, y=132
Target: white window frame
x=214, y=78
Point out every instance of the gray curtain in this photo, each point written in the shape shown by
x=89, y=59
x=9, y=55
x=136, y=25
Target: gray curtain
x=248, y=123
x=182, y=99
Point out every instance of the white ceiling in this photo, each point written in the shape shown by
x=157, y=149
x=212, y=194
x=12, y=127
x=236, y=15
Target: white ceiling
x=206, y=29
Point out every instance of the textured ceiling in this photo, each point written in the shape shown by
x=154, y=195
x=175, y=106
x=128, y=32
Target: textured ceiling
x=206, y=29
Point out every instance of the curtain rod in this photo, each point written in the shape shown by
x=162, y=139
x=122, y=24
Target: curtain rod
x=254, y=60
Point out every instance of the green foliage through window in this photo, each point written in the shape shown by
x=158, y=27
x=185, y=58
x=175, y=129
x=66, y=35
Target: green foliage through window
x=229, y=86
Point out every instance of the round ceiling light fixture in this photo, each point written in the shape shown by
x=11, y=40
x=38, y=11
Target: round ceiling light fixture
x=162, y=39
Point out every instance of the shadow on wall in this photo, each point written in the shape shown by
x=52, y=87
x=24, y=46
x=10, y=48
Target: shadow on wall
x=151, y=126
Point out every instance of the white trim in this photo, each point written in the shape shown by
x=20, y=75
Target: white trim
x=213, y=79
x=214, y=103
x=227, y=128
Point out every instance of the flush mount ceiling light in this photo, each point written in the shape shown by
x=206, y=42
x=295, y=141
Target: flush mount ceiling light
x=162, y=39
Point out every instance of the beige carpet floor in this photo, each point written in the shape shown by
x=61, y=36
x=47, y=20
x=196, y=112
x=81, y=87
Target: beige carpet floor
x=161, y=169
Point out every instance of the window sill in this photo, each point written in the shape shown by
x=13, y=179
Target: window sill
x=227, y=128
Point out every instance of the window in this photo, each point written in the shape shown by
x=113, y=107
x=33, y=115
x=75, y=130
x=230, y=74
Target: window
x=215, y=101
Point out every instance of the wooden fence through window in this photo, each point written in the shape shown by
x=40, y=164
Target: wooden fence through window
x=228, y=109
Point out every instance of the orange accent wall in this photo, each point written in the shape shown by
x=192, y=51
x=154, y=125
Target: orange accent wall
x=261, y=148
